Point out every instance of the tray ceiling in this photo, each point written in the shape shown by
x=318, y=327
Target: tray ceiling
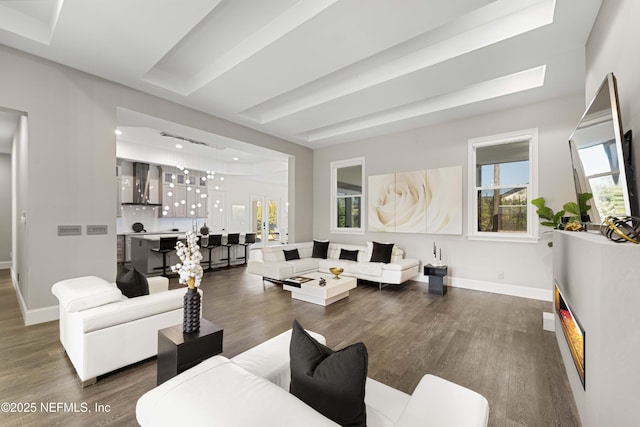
x=319, y=72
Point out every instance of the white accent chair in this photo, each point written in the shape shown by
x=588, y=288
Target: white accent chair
x=102, y=330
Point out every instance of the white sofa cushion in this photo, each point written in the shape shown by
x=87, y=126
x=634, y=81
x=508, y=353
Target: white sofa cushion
x=131, y=309
x=370, y=268
x=270, y=359
x=444, y=403
x=85, y=292
x=276, y=253
x=218, y=392
x=304, y=265
x=384, y=404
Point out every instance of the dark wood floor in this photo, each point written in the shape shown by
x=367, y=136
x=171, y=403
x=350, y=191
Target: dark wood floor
x=490, y=343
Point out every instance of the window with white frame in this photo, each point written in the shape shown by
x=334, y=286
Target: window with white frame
x=347, y=202
x=502, y=181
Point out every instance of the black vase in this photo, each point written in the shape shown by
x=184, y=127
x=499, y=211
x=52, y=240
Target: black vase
x=204, y=230
x=191, y=321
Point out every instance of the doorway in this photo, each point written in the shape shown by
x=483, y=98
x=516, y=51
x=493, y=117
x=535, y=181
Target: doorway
x=265, y=221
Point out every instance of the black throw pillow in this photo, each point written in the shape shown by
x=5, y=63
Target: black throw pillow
x=331, y=382
x=122, y=270
x=381, y=252
x=133, y=284
x=320, y=249
x=348, y=255
x=291, y=254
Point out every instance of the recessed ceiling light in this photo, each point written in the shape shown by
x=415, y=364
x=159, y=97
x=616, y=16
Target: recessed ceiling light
x=236, y=158
x=178, y=145
x=118, y=132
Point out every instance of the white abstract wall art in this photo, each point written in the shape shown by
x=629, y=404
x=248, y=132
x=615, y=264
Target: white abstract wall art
x=411, y=201
x=425, y=201
x=382, y=203
x=444, y=214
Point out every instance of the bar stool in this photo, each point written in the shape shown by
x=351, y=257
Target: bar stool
x=249, y=239
x=233, y=239
x=213, y=241
x=167, y=244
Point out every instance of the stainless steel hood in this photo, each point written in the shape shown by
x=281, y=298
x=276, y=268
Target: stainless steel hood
x=141, y=185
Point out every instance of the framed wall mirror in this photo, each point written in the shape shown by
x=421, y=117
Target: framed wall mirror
x=601, y=156
x=347, y=189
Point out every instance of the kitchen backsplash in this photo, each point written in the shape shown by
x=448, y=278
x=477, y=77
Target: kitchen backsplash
x=148, y=217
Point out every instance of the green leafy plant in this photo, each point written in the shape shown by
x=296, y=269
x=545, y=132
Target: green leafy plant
x=547, y=216
x=580, y=209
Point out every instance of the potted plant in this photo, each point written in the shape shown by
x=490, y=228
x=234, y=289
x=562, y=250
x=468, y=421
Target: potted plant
x=579, y=211
x=548, y=218
x=546, y=214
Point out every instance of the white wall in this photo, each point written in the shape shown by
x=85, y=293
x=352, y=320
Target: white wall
x=70, y=164
x=19, y=189
x=612, y=47
x=239, y=191
x=5, y=210
x=525, y=265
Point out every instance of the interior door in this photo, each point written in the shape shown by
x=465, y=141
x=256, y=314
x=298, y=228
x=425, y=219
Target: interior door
x=265, y=213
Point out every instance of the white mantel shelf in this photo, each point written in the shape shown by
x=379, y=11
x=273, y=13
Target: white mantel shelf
x=600, y=281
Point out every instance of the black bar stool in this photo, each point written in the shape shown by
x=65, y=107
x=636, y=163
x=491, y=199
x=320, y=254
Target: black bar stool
x=249, y=239
x=167, y=244
x=213, y=241
x=233, y=239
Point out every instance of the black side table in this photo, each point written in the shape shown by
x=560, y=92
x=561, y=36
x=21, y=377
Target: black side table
x=437, y=278
x=178, y=351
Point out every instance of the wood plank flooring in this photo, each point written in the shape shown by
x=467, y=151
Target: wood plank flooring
x=493, y=344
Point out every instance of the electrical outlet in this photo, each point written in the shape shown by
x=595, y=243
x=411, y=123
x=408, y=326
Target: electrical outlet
x=500, y=275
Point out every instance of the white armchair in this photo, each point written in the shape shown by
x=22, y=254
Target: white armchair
x=102, y=330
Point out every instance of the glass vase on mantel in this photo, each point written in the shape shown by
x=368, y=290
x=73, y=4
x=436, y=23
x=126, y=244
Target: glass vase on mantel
x=191, y=320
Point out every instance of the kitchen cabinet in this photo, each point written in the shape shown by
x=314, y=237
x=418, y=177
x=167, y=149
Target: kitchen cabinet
x=174, y=201
x=124, y=172
x=196, y=203
x=154, y=184
x=123, y=190
x=182, y=193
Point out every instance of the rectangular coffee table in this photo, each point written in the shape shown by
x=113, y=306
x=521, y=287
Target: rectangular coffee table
x=311, y=291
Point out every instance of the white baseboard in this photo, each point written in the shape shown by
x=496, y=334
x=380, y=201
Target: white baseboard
x=5, y=265
x=496, y=288
x=37, y=315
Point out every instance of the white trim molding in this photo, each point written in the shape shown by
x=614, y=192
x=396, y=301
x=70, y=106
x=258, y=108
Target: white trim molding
x=5, y=265
x=528, y=135
x=333, y=206
x=37, y=315
x=495, y=288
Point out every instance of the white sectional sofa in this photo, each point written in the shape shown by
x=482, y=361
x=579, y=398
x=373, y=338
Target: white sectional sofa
x=251, y=389
x=273, y=265
x=102, y=330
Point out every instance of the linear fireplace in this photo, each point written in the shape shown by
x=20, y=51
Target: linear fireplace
x=573, y=333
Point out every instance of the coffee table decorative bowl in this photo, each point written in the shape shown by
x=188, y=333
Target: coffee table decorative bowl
x=336, y=271
x=314, y=292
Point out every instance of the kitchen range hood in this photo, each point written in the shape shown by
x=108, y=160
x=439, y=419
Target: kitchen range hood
x=141, y=186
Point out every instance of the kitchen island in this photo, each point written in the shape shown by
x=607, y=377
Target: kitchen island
x=149, y=262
